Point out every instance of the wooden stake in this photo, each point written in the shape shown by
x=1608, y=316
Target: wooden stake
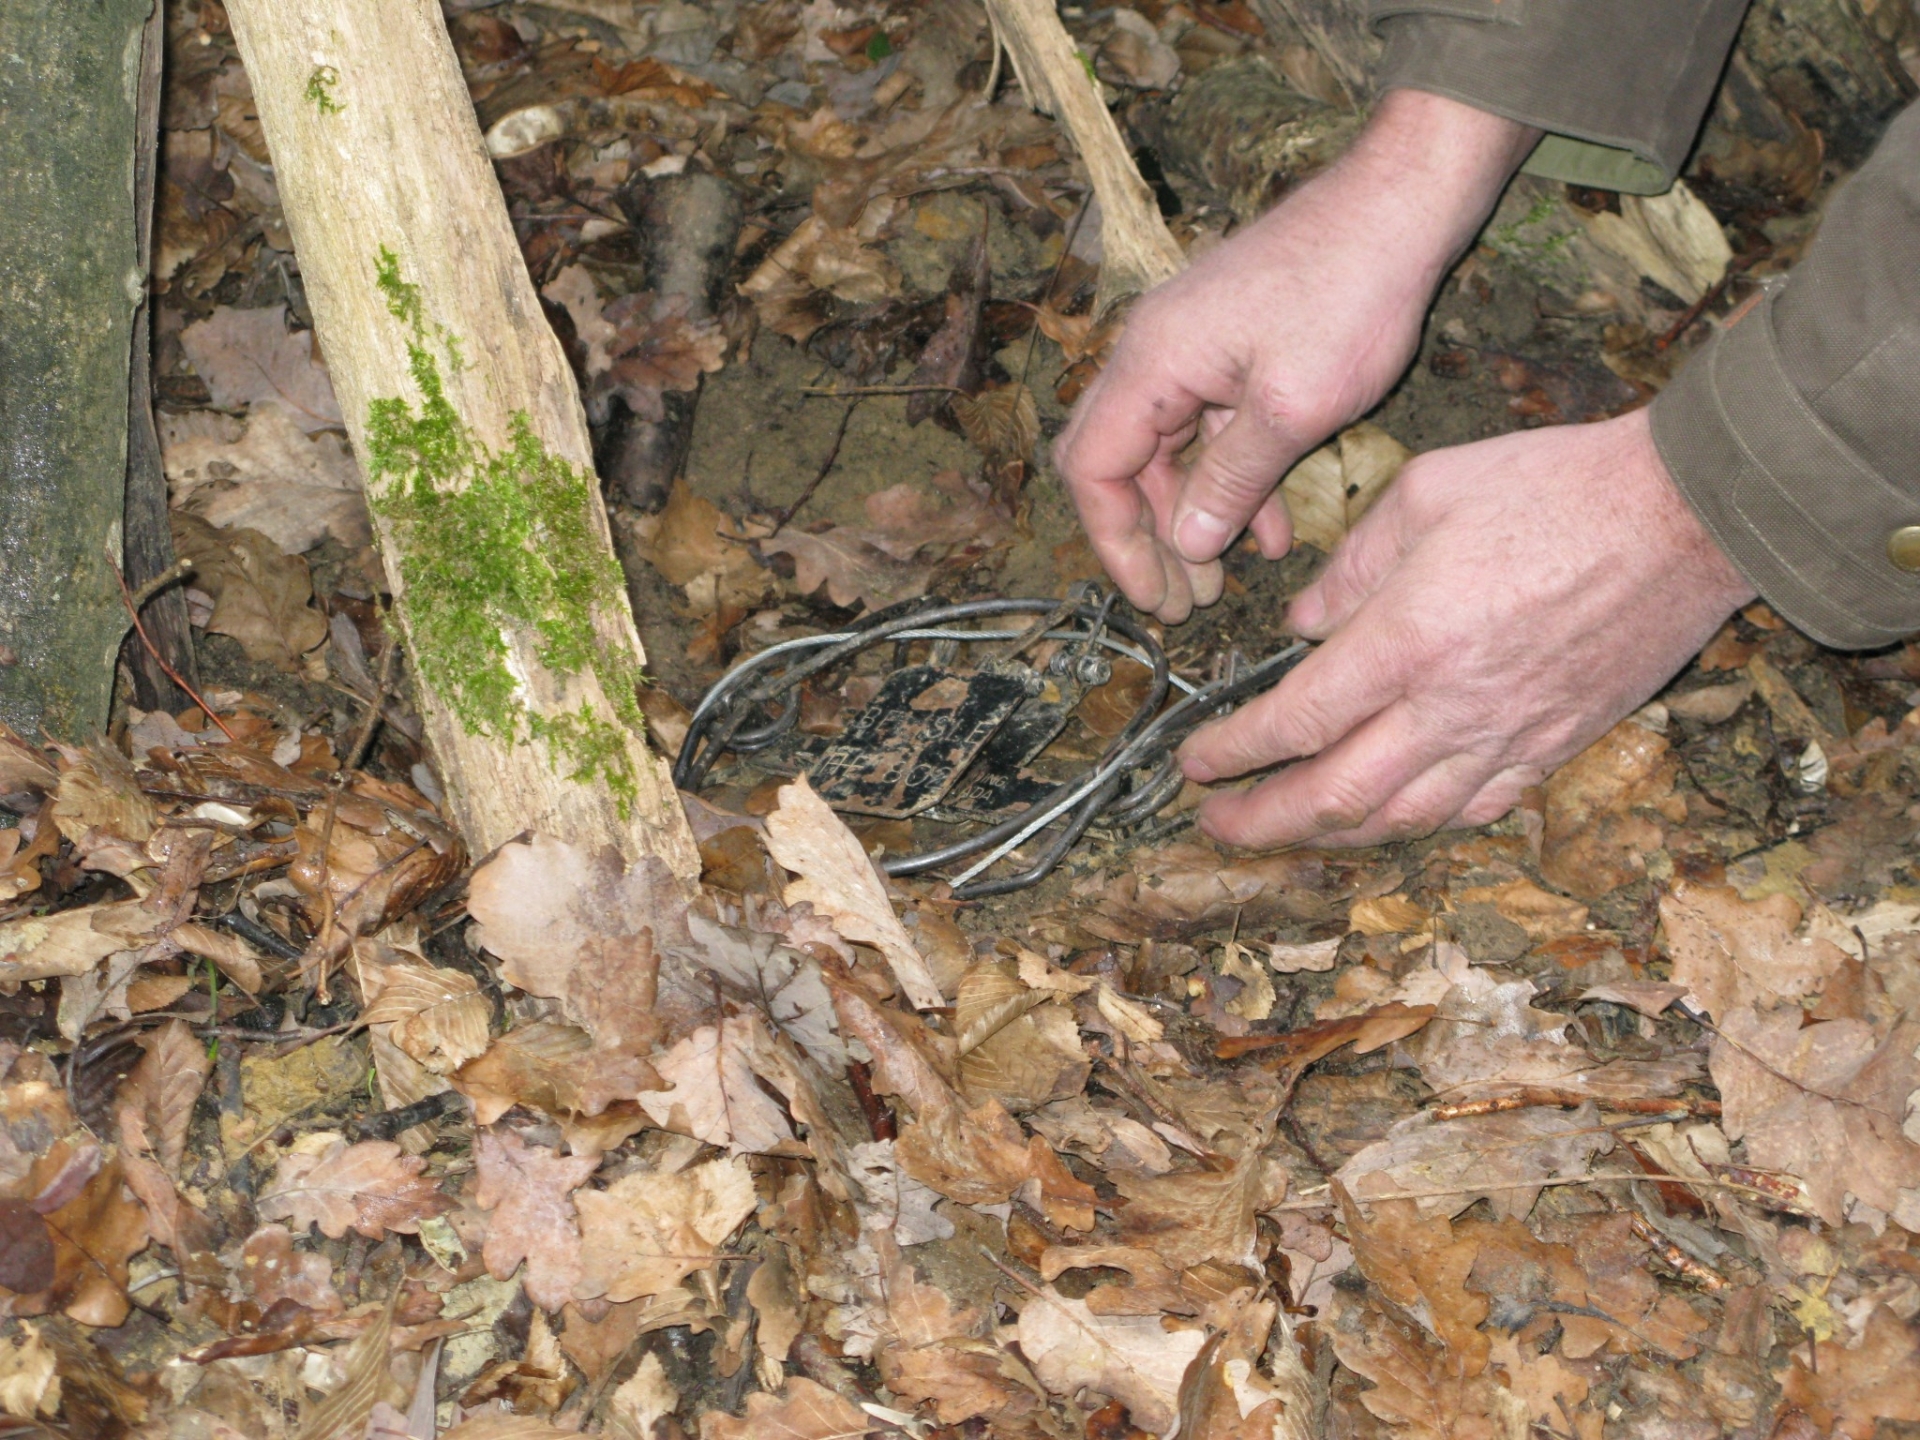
x=467, y=425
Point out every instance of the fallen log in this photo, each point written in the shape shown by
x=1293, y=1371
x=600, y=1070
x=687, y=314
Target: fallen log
x=467, y=426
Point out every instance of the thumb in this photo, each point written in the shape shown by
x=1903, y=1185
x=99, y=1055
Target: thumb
x=1231, y=480
x=1360, y=565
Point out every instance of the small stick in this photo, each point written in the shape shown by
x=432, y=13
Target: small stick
x=147, y=592
x=375, y=710
x=834, y=392
x=833, y=454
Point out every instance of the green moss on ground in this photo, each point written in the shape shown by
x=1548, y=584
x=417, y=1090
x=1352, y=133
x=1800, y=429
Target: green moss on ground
x=492, y=544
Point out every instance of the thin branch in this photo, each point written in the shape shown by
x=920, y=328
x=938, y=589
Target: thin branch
x=133, y=604
x=833, y=454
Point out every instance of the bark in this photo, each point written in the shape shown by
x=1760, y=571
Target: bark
x=69, y=282
x=1138, y=249
x=1834, y=65
x=149, y=549
x=467, y=425
x=687, y=224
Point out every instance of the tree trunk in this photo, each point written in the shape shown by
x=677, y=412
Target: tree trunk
x=467, y=427
x=69, y=282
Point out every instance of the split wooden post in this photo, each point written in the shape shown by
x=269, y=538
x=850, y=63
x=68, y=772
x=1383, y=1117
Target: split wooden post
x=467, y=426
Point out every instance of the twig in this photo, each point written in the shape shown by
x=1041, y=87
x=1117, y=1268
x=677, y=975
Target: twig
x=837, y=392
x=1448, y=1192
x=147, y=592
x=833, y=454
x=375, y=710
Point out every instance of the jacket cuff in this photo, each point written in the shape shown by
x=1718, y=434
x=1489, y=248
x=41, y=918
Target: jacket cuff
x=1802, y=515
x=1619, y=85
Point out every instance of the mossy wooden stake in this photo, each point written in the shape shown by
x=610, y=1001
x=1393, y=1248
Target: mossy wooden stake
x=467, y=426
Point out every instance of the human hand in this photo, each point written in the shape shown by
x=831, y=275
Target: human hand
x=1495, y=612
x=1271, y=342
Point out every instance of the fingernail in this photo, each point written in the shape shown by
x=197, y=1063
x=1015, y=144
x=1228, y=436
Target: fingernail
x=1201, y=536
x=1197, y=770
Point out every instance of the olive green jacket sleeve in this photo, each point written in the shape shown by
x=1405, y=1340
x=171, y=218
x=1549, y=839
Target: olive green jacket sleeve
x=1795, y=432
x=1618, y=85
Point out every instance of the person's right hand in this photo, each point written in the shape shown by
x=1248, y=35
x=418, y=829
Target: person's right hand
x=1271, y=342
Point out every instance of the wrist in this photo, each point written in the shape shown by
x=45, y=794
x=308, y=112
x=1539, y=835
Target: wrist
x=1437, y=167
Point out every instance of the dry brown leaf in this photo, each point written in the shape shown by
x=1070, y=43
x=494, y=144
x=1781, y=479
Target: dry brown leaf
x=529, y=1189
x=344, y=1412
x=1329, y=490
x=265, y=473
x=685, y=543
x=552, y=1067
x=1388, y=915
x=1132, y=1358
x=1495, y=1157
x=1847, y=1392
x=64, y=943
x=1003, y=424
x=840, y=882
x=642, y=1400
x=1014, y=1044
x=648, y=1230
x=802, y=1411
x=261, y=597
x=978, y=1156
x=716, y=1094
x=1192, y=1216
x=1228, y=1396
x=1730, y=952
x=29, y=1384
x=437, y=1015
x=1595, y=840
x=155, y=1103
x=249, y=355
x=271, y=1270
x=1419, y=1389
x=500, y=1425
x=1826, y=1102
x=1542, y=914
x=1421, y=1265
x=1177, y=891
x=855, y=571
x=370, y=1187
x=904, y=519
x=581, y=928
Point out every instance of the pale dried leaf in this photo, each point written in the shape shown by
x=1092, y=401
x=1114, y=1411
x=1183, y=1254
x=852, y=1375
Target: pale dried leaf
x=1729, y=952
x=642, y=1399
x=716, y=1096
x=265, y=473
x=370, y=1187
x=249, y=355
x=156, y=1101
x=529, y=1189
x=437, y=1014
x=1493, y=1157
x=65, y=943
x=1132, y=1358
x=1003, y=425
x=840, y=882
x=803, y=1411
x=647, y=1230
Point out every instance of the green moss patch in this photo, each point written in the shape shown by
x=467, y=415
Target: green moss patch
x=496, y=544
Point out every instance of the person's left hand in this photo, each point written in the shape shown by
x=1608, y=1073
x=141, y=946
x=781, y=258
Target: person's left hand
x=1500, y=607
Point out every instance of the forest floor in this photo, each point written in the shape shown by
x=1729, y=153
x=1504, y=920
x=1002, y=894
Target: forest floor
x=1598, y=1123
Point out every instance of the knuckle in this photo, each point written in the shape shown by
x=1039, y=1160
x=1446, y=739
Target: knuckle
x=1406, y=818
x=1338, y=803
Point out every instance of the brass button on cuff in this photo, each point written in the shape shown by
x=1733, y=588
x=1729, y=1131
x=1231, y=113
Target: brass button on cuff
x=1903, y=548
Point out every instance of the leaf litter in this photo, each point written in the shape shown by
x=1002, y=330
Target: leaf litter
x=1599, y=1122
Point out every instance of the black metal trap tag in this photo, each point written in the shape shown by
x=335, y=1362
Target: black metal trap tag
x=908, y=745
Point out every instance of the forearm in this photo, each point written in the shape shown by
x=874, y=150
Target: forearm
x=1433, y=168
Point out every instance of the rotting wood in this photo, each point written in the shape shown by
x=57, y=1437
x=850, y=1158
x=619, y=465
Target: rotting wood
x=1138, y=251
x=467, y=426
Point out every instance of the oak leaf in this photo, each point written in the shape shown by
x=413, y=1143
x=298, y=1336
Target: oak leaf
x=1731, y=952
x=529, y=1188
x=1133, y=1358
x=802, y=1411
x=552, y=1067
x=1505, y=1159
x=583, y=928
x=1419, y=1389
x=1831, y=1103
x=370, y=1187
x=1847, y=1392
x=647, y=1230
x=249, y=355
x=716, y=1095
